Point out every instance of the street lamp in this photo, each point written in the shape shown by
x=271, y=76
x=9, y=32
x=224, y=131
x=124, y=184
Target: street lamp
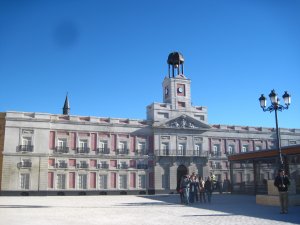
x=275, y=106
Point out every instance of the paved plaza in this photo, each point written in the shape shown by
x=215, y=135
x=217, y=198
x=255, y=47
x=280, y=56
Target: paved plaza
x=138, y=210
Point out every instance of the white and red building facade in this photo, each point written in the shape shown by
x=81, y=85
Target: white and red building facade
x=68, y=154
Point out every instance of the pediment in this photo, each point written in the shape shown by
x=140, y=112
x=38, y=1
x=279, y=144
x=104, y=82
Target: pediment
x=184, y=122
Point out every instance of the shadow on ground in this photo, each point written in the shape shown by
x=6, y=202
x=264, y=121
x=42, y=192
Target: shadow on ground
x=230, y=205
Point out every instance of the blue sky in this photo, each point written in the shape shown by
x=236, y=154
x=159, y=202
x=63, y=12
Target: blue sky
x=110, y=56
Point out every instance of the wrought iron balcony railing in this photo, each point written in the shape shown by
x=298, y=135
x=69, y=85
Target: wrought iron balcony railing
x=82, y=165
x=61, y=149
x=25, y=164
x=61, y=165
x=164, y=152
x=122, y=151
x=25, y=148
x=103, y=166
x=103, y=151
x=82, y=150
x=141, y=152
x=215, y=154
x=122, y=166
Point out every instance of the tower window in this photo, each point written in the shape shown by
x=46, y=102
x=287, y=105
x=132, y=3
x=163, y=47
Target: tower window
x=181, y=104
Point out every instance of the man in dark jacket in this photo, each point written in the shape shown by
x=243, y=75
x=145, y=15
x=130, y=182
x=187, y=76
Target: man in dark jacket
x=208, y=187
x=281, y=182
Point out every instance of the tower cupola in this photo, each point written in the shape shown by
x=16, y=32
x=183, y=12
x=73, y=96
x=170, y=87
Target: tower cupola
x=175, y=61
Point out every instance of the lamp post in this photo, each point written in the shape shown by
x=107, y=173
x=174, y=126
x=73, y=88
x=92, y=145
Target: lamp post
x=275, y=106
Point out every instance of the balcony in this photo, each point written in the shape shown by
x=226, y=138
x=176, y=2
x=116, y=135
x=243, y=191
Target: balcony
x=61, y=149
x=122, y=151
x=25, y=148
x=165, y=152
x=82, y=165
x=103, y=166
x=216, y=167
x=82, y=150
x=139, y=152
x=61, y=165
x=25, y=164
x=103, y=151
x=216, y=154
x=230, y=153
x=122, y=166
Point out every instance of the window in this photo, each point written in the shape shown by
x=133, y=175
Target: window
x=216, y=150
x=122, y=147
x=258, y=148
x=62, y=142
x=181, y=104
x=61, y=164
x=103, y=181
x=198, y=149
x=165, y=148
x=103, y=165
x=230, y=149
x=123, y=165
x=123, y=181
x=25, y=163
x=26, y=145
x=245, y=148
x=181, y=149
x=62, y=145
x=82, y=181
x=83, y=164
x=61, y=181
x=142, y=181
x=103, y=145
x=83, y=144
x=163, y=115
x=213, y=165
x=142, y=147
x=24, y=181
x=26, y=141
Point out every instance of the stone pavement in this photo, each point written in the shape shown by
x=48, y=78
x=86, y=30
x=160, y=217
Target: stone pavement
x=139, y=210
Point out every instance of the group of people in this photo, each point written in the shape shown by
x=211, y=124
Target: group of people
x=193, y=188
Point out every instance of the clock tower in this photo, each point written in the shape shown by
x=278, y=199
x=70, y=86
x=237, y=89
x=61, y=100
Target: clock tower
x=176, y=95
x=176, y=87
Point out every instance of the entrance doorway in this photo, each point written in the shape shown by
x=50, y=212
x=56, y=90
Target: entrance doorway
x=181, y=171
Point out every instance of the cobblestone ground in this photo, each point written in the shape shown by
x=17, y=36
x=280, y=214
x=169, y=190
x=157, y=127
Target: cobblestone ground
x=137, y=210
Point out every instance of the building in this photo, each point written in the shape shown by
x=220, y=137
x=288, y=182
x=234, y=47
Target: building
x=62, y=154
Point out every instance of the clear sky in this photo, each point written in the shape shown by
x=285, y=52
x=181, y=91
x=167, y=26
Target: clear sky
x=111, y=56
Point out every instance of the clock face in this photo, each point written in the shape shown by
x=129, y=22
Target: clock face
x=180, y=89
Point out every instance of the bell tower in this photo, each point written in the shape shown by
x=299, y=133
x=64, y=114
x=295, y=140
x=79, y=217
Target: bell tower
x=176, y=87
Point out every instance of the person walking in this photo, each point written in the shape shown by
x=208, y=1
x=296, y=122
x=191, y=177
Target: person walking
x=192, y=189
x=208, y=186
x=201, y=190
x=282, y=182
x=185, y=186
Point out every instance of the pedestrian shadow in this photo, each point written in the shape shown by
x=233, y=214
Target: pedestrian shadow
x=233, y=205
